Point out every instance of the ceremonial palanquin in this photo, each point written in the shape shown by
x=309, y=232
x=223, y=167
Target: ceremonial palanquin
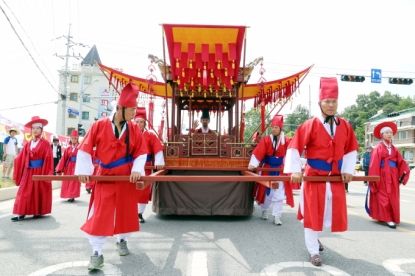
x=206, y=71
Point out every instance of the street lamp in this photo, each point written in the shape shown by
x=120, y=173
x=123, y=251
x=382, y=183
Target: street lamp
x=81, y=98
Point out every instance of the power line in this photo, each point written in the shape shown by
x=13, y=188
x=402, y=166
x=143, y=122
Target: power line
x=27, y=50
x=17, y=107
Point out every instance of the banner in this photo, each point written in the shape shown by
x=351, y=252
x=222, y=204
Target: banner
x=104, y=101
x=63, y=140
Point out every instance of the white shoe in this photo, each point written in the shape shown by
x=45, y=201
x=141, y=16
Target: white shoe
x=277, y=221
x=264, y=215
x=391, y=225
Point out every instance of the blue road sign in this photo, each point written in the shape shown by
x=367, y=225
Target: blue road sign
x=376, y=75
x=73, y=111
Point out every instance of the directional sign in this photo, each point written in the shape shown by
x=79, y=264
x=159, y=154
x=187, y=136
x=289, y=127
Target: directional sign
x=376, y=75
x=73, y=111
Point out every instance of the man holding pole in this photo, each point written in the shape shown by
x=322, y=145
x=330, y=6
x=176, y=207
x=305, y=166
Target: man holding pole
x=331, y=150
x=121, y=150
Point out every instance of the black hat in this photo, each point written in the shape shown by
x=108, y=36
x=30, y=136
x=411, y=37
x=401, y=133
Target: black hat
x=55, y=139
x=205, y=114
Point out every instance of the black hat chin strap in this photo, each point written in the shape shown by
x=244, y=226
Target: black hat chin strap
x=330, y=119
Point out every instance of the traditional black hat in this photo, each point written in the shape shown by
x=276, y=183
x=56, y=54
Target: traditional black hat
x=205, y=114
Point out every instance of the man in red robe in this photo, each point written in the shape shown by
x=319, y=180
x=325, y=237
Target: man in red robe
x=66, y=166
x=121, y=150
x=271, y=152
x=34, y=197
x=331, y=150
x=154, y=149
x=387, y=162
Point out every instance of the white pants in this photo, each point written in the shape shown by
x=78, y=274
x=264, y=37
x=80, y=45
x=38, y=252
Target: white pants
x=311, y=236
x=141, y=207
x=97, y=242
x=275, y=196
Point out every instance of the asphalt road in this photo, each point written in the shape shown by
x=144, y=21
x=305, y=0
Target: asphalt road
x=191, y=245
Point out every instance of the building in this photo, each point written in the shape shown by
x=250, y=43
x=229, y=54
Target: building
x=95, y=91
x=404, y=139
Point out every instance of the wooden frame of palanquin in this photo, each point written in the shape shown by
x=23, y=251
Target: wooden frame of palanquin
x=216, y=151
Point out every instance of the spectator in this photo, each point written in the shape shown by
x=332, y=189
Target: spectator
x=10, y=152
x=57, y=152
x=366, y=160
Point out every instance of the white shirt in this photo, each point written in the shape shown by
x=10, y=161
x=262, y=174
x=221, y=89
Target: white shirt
x=11, y=146
x=55, y=150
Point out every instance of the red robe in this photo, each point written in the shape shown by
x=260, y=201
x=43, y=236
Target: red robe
x=115, y=203
x=69, y=189
x=266, y=148
x=33, y=197
x=384, y=203
x=313, y=135
x=153, y=147
x=95, y=162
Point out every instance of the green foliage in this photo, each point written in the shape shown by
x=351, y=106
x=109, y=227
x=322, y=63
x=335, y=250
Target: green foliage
x=295, y=119
x=252, y=121
x=368, y=105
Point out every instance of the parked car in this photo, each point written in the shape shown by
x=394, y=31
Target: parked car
x=359, y=166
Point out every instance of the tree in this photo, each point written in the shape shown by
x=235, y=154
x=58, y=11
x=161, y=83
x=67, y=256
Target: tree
x=295, y=119
x=252, y=121
x=368, y=105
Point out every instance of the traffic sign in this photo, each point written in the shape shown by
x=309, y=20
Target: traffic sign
x=376, y=75
x=73, y=111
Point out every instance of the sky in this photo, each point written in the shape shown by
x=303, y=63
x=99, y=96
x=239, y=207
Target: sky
x=337, y=37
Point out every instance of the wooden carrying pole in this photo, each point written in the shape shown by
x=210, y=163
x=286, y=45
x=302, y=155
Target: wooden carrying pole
x=269, y=181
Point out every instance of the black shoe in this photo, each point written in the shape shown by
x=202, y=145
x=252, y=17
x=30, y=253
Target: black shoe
x=142, y=220
x=88, y=190
x=37, y=216
x=18, y=218
x=71, y=199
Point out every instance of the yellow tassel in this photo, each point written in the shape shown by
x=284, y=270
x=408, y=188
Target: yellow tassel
x=217, y=95
x=231, y=80
x=210, y=89
x=226, y=71
x=198, y=73
x=185, y=88
x=190, y=64
x=191, y=82
x=219, y=64
x=177, y=63
x=193, y=94
x=204, y=94
x=181, y=93
x=211, y=73
x=218, y=82
x=178, y=81
x=183, y=72
x=224, y=88
x=233, y=64
x=199, y=89
x=204, y=65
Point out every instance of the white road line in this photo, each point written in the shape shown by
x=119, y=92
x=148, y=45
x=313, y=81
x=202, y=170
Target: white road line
x=198, y=263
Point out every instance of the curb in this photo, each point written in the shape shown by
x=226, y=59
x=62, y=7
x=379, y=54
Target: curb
x=10, y=192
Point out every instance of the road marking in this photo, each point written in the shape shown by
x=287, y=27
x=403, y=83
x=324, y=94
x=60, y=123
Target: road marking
x=393, y=266
x=197, y=265
x=272, y=270
x=107, y=269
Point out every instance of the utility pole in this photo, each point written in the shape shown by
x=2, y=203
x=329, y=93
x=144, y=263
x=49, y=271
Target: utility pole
x=64, y=95
x=309, y=101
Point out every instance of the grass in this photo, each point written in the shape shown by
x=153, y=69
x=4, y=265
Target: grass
x=4, y=183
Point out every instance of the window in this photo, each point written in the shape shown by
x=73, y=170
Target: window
x=402, y=135
x=86, y=98
x=87, y=79
x=85, y=115
x=69, y=130
x=70, y=115
x=73, y=96
x=74, y=78
x=408, y=155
